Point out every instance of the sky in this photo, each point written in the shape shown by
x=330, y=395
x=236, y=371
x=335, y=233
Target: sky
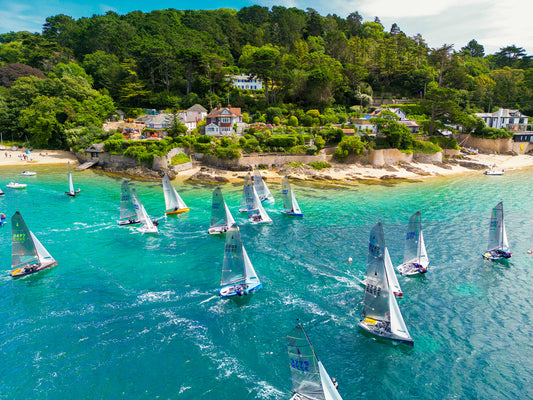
x=492, y=23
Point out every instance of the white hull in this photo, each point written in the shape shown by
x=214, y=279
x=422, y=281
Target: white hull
x=379, y=328
x=15, y=185
x=412, y=268
x=238, y=289
x=217, y=230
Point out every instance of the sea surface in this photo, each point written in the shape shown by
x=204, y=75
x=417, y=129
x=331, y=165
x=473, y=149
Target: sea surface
x=132, y=316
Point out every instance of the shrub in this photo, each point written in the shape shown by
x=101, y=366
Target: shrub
x=281, y=141
x=293, y=121
x=228, y=153
x=445, y=142
x=319, y=165
x=424, y=146
x=348, y=145
x=179, y=159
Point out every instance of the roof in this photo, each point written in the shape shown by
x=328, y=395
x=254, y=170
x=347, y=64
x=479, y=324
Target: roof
x=95, y=148
x=408, y=122
x=502, y=113
x=227, y=111
x=198, y=108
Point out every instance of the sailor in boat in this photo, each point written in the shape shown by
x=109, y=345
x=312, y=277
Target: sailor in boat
x=335, y=383
x=2, y=219
x=256, y=218
x=155, y=222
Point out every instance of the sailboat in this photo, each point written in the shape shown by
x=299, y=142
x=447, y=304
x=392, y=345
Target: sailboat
x=290, y=205
x=221, y=218
x=71, y=191
x=256, y=212
x=498, y=246
x=1, y=192
x=173, y=202
x=148, y=225
x=247, y=181
x=261, y=188
x=415, y=258
x=238, y=274
x=28, y=255
x=381, y=315
x=310, y=381
x=127, y=209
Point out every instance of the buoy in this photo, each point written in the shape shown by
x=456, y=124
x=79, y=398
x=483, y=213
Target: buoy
x=530, y=252
x=350, y=259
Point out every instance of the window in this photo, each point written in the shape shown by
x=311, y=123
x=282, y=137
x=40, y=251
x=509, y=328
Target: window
x=225, y=120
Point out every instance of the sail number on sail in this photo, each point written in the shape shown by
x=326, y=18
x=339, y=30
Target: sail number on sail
x=19, y=237
x=410, y=235
x=300, y=365
x=373, y=289
x=231, y=247
x=374, y=250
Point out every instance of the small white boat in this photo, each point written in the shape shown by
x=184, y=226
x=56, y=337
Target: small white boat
x=1, y=192
x=415, y=258
x=256, y=212
x=221, y=218
x=238, y=274
x=71, y=192
x=290, y=205
x=494, y=172
x=16, y=185
x=148, y=225
x=262, y=189
x=128, y=216
x=381, y=315
x=28, y=173
x=498, y=247
x=28, y=254
x=310, y=380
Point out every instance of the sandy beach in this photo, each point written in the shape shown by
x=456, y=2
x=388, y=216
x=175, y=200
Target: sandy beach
x=37, y=157
x=471, y=164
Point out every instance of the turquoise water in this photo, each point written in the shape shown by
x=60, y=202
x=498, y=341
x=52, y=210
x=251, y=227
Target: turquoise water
x=130, y=316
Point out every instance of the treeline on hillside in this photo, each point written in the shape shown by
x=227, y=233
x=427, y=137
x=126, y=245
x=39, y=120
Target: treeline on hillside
x=171, y=59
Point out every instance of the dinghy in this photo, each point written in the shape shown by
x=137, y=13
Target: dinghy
x=261, y=188
x=498, y=247
x=238, y=274
x=173, y=202
x=247, y=181
x=415, y=258
x=28, y=173
x=127, y=209
x=148, y=225
x=1, y=192
x=310, y=381
x=28, y=254
x=221, y=218
x=71, y=192
x=16, y=185
x=290, y=205
x=256, y=212
x=381, y=315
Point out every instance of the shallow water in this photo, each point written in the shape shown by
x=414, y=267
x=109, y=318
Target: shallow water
x=126, y=315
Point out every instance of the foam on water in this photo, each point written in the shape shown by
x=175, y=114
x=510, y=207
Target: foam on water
x=126, y=315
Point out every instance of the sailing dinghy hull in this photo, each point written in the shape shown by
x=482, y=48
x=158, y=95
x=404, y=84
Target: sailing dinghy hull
x=217, y=230
x=376, y=328
x=238, y=289
x=27, y=270
x=494, y=255
x=176, y=212
x=122, y=223
x=410, y=269
x=290, y=212
x=73, y=194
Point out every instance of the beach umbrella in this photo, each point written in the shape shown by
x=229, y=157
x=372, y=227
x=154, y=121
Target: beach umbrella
x=28, y=152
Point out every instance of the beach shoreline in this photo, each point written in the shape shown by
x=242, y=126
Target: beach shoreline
x=342, y=173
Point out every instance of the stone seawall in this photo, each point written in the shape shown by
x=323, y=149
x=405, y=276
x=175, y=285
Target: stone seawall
x=269, y=160
x=379, y=158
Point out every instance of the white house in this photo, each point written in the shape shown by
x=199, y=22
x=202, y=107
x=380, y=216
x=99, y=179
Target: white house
x=398, y=111
x=246, y=82
x=505, y=119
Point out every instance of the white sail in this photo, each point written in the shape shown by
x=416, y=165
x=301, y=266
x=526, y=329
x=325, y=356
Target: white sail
x=127, y=210
x=424, y=260
x=244, y=203
x=290, y=205
x=397, y=323
x=257, y=213
x=44, y=256
x=142, y=215
x=70, y=184
x=262, y=189
x=23, y=249
x=330, y=392
x=392, y=279
x=173, y=201
x=229, y=218
x=218, y=210
x=233, y=268
x=497, y=232
x=250, y=275
x=309, y=377
x=412, y=240
x=295, y=206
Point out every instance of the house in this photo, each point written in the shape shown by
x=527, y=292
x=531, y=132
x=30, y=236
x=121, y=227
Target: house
x=364, y=125
x=412, y=125
x=397, y=111
x=192, y=116
x=94, y=151
x=160, y=121
x=221, y=120
x=505, y=119
x=246, y=82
